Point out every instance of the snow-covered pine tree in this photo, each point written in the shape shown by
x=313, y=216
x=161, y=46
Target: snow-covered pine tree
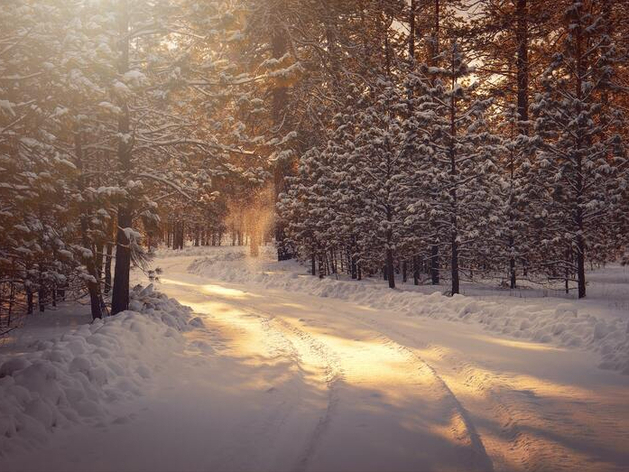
x=158, y=137
x=379, y=159
x=35, y=224
x=455, y=158
x=579, y=153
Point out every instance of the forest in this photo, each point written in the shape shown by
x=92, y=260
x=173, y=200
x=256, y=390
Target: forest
x=419, y=141
x=314, y=235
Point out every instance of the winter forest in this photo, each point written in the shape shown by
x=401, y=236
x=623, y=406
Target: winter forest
x=301, y=177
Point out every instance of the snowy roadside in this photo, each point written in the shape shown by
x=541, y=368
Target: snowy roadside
x=540, y=320
x=76, y=378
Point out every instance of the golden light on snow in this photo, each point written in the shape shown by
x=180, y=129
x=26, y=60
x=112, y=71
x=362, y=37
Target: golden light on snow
x=211, y=289
x=429, y=393
x=528, y=345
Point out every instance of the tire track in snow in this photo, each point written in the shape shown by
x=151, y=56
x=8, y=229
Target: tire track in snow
x=516, y=409
x=540, y=422
x=521, y=414
x=480, y=459
x=257, y=442
x=462, y=425
x=332, y=370
x=516, y=437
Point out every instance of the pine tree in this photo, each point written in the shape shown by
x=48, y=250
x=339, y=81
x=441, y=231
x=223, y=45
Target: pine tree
x=579, y=154
x=456, y=166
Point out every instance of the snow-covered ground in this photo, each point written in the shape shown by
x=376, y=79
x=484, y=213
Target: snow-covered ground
x=282, y=371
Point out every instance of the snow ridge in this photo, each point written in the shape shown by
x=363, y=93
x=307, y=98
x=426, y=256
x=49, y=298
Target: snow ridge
x=77, y=377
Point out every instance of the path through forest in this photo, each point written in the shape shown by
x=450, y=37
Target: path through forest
x=286, y=381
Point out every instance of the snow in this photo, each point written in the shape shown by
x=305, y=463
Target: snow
x=278, y=370
x=538, y=320
x=76, y=376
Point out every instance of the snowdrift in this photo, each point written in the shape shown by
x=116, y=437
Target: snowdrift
x=77, y=377
x=560, y=324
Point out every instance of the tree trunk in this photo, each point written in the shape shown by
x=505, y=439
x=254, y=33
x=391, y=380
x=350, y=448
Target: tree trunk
x=29, y=301
x=120, y=295
x=522, y=64
x=454, y=231
x=279, y=95
x=389, y=268
x=354, y=268
x=415, y=270
x=89, y=261
x=321, y=268
x=581, y=139
x=100, y=254
x=41, y=298
x=434, y=264
x=455, y=264
x=108, y=258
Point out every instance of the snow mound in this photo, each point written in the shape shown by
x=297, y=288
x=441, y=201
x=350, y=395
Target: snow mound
x=78, y=376
x=562, y=325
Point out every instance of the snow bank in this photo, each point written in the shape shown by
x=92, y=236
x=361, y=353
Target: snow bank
x=561, y=324
x=77, y=377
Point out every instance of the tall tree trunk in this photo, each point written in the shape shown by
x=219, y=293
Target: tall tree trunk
x=108, y=258
x=433, y=60
x=522, y=64
x=120, y=295
x=390, y=269
x=100, y=256
x=279, y=105
x=353, y=265
x=41, y=297
x=321, y=266
x=89, y=260
x=581, y=139
x=29, y=301
x=415, y=270
x=434, y=264
x=454, y=230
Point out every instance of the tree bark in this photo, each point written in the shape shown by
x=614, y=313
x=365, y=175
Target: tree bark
x=454, y=233
x=120, y=295
x=279, y=95
x=522, y=64
x=580, y=141
x=390, y=269
x=93, y=284
x=415, y=271
x=434, y=265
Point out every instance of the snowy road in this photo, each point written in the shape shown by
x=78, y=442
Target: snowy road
x=286, y=381
x=351, y=397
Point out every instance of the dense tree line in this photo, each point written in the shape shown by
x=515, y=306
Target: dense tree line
x=107, y=123
x=488, y=139
x=437, y=139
